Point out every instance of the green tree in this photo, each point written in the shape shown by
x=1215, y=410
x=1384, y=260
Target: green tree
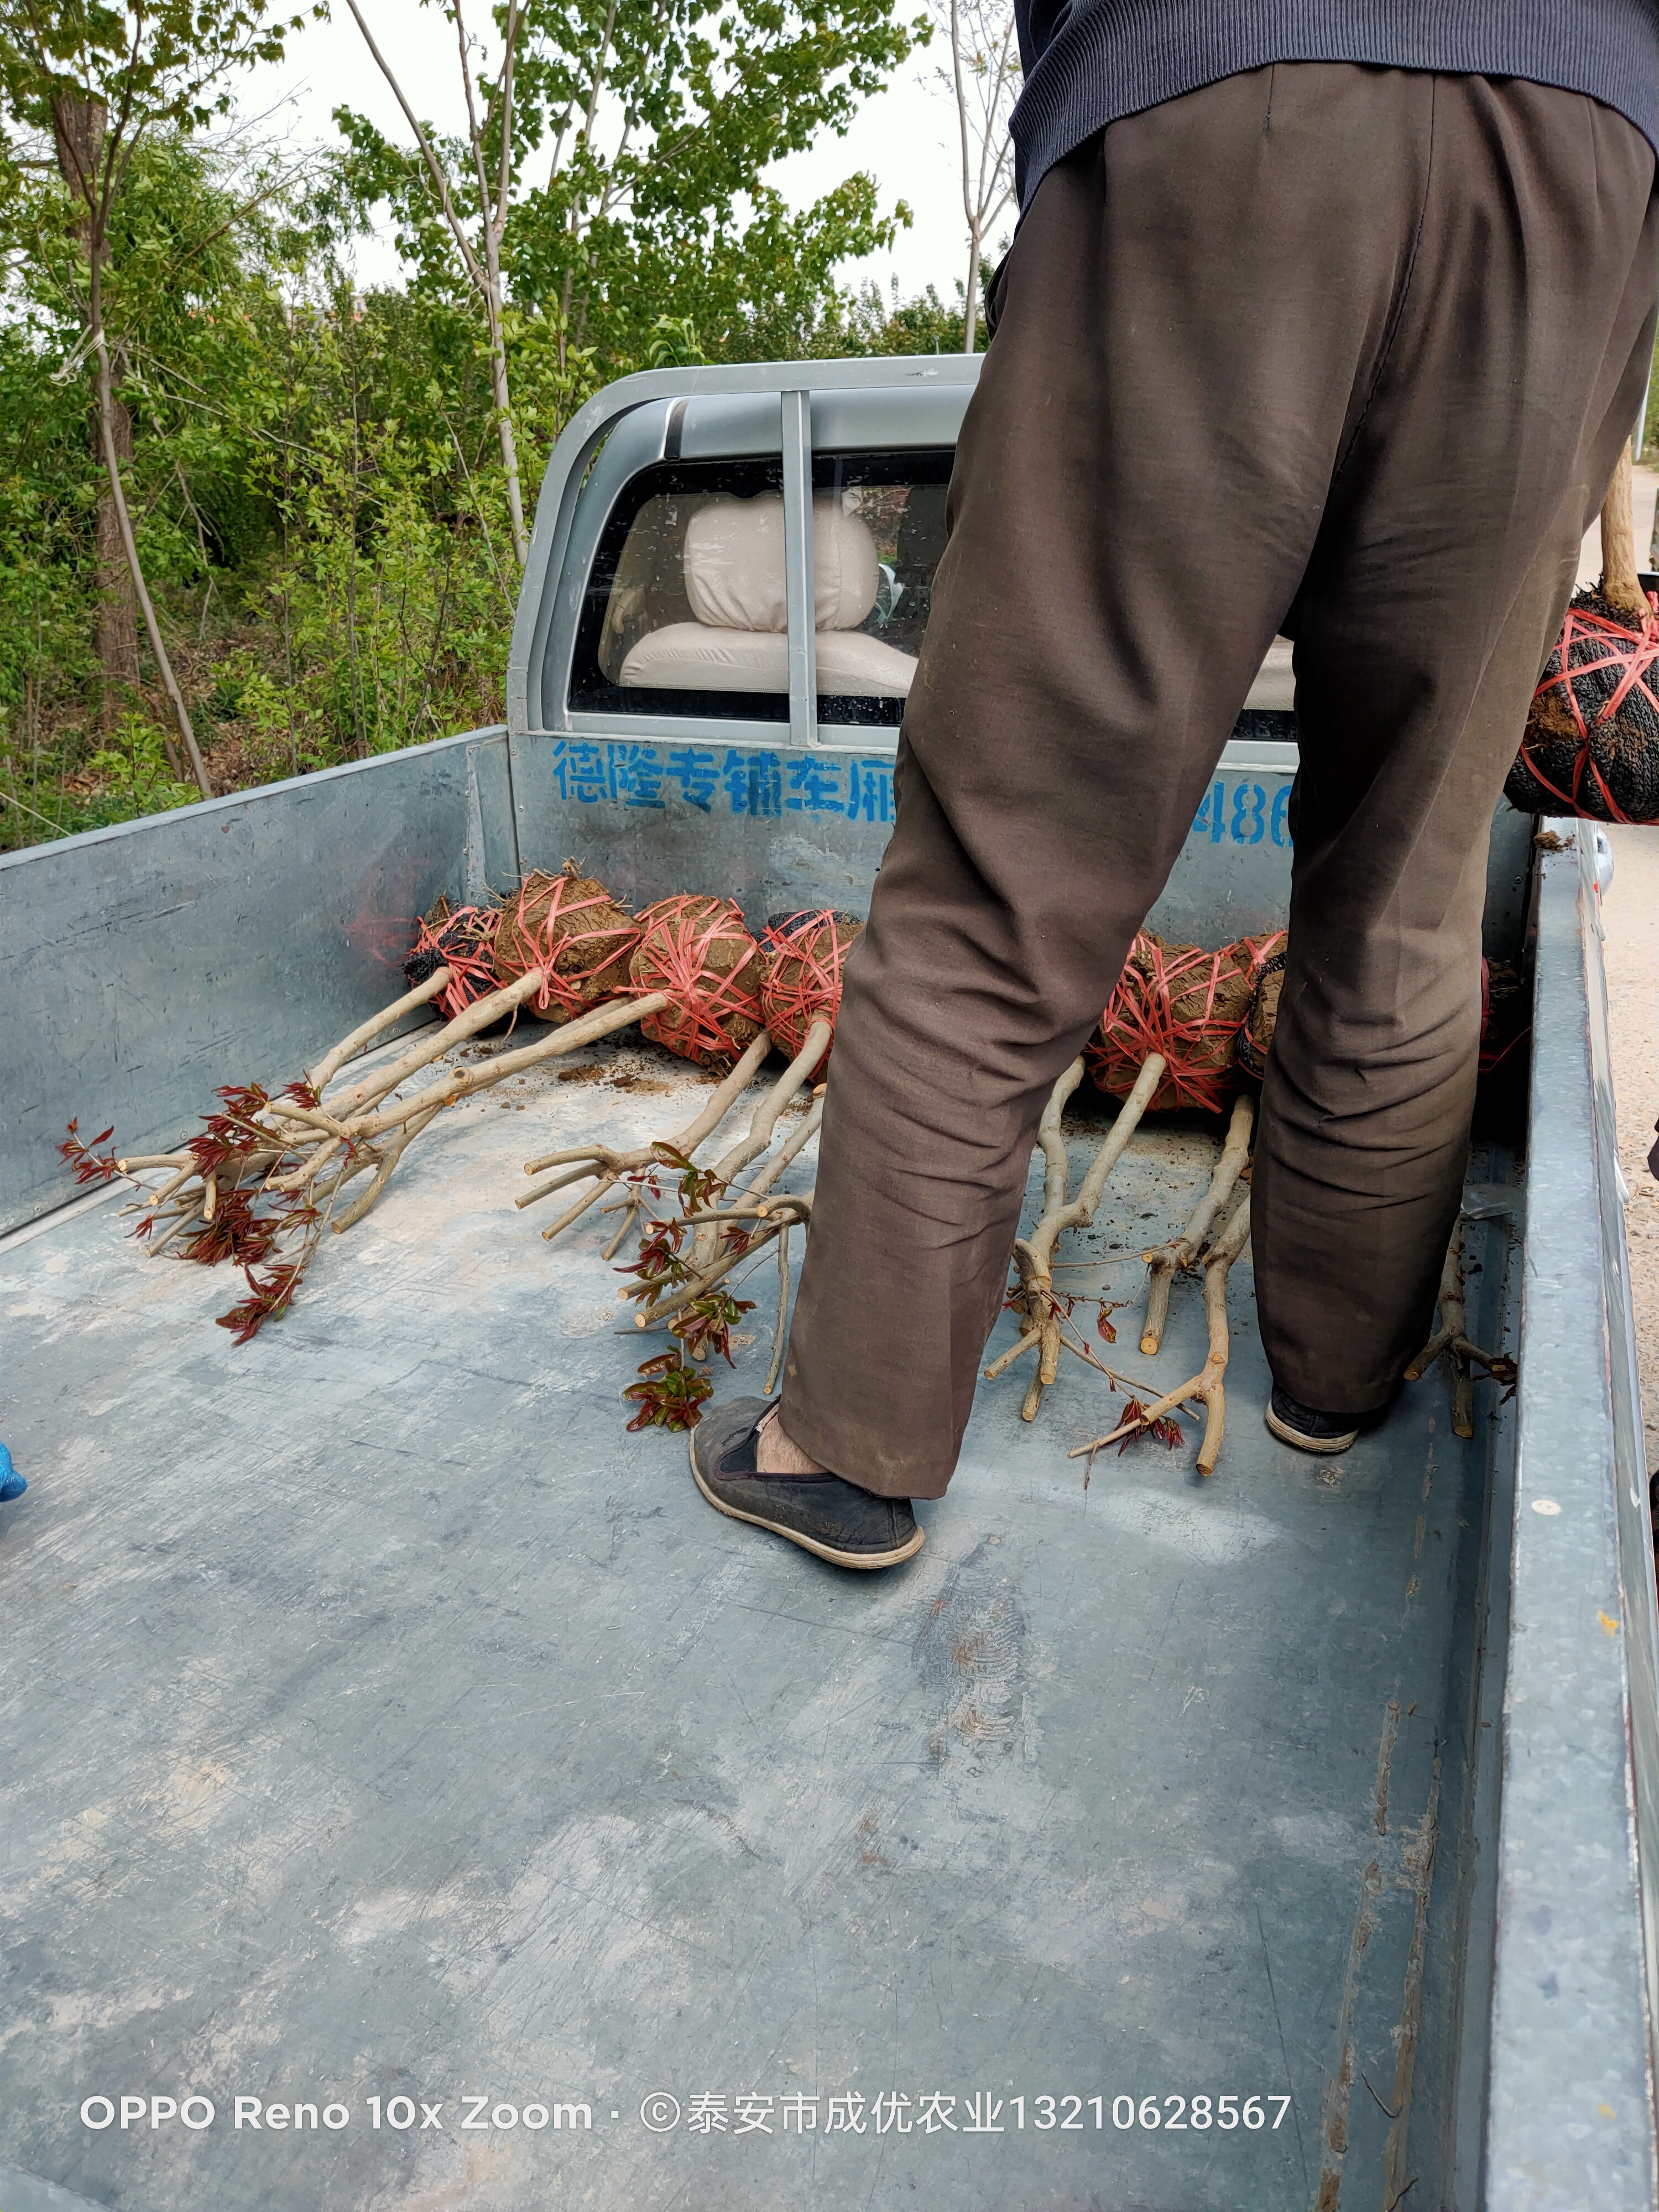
x=312, y=479
x=486, y=166
x=983, y=79
x=636, y=135
x=100, y=78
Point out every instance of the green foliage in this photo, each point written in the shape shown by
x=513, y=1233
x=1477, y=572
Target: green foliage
x=924, y=325
x=165, y=62
x=134, y=773
x=669, y=1394
x=316, y=481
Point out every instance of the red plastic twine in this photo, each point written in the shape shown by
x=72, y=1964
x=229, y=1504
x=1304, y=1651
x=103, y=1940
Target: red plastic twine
x=1141, y=1018
x=803, y=984
x=1263, y=956
x=464, y=942
x=1254, y=952
x=564, y=989
x=712, y=1015
x=1618, y=646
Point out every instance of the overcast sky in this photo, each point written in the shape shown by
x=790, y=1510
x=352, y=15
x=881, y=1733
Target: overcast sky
x=905, y=137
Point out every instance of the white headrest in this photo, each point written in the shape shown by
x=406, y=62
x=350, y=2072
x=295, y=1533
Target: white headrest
x=734, y=564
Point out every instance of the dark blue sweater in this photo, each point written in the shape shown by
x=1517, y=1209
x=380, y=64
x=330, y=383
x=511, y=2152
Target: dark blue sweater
x=1087, y=62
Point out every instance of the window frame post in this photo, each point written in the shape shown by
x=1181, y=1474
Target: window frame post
x=800, y=581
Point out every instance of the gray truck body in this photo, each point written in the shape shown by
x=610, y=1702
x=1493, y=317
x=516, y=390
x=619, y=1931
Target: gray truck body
x=381, y=1721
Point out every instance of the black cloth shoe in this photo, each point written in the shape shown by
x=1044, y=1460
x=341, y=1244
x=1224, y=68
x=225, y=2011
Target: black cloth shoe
x=1299, y=1425
x=850, y=1527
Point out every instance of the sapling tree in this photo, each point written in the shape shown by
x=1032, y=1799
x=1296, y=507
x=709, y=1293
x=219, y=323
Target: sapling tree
x=100, y=78
x=487, y=166
x=982, y=75
x=634, y=137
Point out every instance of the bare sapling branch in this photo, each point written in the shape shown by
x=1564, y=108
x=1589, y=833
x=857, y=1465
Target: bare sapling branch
x=435, y=1044
x=781, y=1329
x=686, y=1255
x=1621, y=582
x=607, y=1167
x=135, y=568
x=268, y=1171
x=330, y=1065
x=794, y=1144
x=1044, y=1315
x=1451, y=1340
x=762, y=1124
x=1209, y=1383
x=602, y=1022
x=1164, y=1261
x=485, y=274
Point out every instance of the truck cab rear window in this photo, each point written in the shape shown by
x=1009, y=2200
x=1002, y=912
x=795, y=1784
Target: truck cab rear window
x=686, y=612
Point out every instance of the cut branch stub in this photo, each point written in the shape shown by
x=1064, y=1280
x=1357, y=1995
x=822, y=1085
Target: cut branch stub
x=1209, y=1382
x=605, y=1167
x=763, y=1122
x=1182, y=1003
x=1165, y=1261
x=569, y=929
x=1451, y=1340
x=1045, y=1322
x=803, y=978
x=698, y=953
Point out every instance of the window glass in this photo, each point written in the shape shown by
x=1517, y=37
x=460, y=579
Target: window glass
x=686, y=612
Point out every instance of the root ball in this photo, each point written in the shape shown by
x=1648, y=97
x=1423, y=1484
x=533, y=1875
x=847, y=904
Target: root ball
x=569, y=926
x=803, y=981
x=698, y=950
x=1183, y=1002
x=1591, y=743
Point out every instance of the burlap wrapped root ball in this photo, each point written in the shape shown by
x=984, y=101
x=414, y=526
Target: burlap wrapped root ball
x=1181, y=1001
x=570, y=927
x=1591, y=743
x=462, y=940
x=1267, y=959
x=807, y=953
x=700, y=951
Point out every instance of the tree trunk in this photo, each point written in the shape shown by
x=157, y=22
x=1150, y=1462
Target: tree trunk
x=970, y=306
x=130, y=548
x=117, y=626
x=504, y=418
x=77, y=133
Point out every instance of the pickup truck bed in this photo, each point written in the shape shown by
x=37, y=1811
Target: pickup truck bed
x=397, y=1723
x=384, y=1729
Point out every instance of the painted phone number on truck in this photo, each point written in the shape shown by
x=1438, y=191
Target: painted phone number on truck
x=1244, y=814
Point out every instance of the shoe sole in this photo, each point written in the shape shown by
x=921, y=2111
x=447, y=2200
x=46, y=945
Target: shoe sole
x=1302, y=1441
x=861, y=1561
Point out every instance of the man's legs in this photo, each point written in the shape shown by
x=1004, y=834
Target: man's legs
x=1200, y=313
x=1442, y=570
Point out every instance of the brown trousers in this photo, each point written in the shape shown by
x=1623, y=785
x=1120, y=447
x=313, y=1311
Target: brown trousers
x=1343, y=352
